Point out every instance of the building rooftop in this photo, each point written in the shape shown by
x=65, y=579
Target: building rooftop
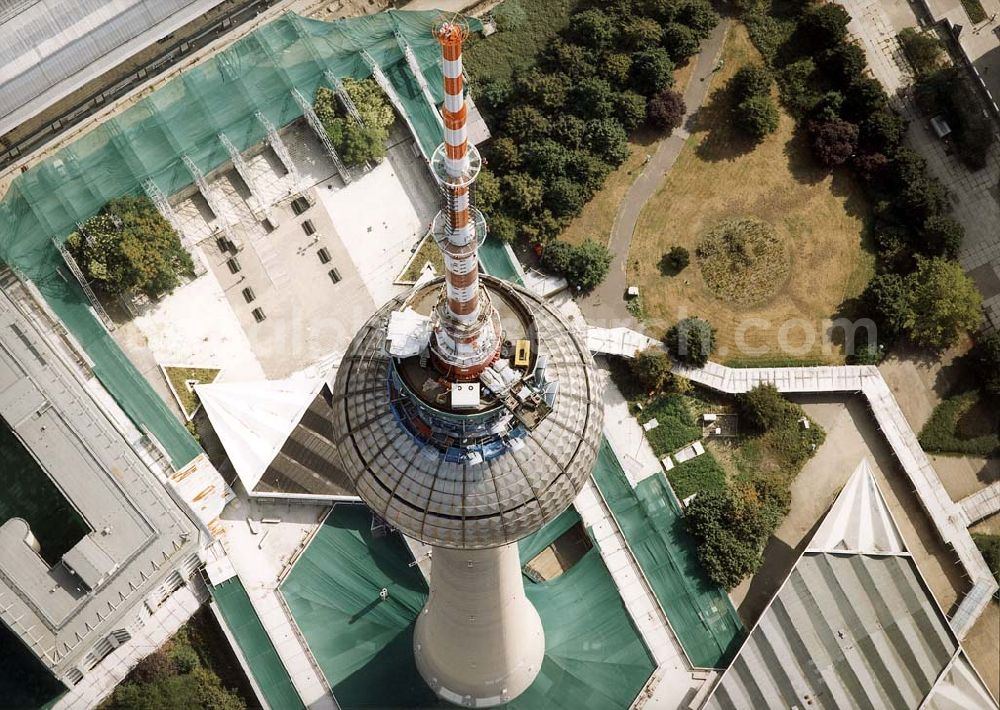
x=137, y=534
x=53, y=47
x=853, y=625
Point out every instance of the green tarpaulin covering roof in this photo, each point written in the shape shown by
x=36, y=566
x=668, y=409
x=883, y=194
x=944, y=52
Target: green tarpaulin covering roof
x=594, y=657
x=699, y=612
x=184, y=118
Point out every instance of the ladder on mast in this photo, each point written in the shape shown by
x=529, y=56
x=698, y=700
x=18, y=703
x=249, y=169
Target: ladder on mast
x=313, y=120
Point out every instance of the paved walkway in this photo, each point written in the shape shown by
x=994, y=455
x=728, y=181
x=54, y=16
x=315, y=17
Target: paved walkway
x=982, y=503
x=603, y=306
x=974, y=202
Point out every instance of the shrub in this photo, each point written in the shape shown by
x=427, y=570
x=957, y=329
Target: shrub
x=652, y=71
x=156, y=665
x=675, y=260
x=665, y=110
x=843, y=64
x=583, y=266
x=942, y=432
x=797, y=86
x=862, y=99
x=923, y=50
x=764, y=408
x=941, y=303
x=824, y=26
x=652, y=368
x=757, y=116
x=882, y=131
x=833, y=142
x=702, y=474
x=886, y=296
x=691, y=341
x=129, y=247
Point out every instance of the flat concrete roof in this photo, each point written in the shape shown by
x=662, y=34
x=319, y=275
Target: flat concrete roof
x=138, y=534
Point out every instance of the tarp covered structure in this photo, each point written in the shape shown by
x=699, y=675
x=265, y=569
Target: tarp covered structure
x=183, y=118
x=594, y=657
x=700, y=613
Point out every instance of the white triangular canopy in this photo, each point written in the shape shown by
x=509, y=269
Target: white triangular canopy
x=859, y=520
x=960, y=688
x=254, y=419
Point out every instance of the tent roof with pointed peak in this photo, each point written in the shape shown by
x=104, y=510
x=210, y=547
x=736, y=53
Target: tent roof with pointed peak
x=859, y=520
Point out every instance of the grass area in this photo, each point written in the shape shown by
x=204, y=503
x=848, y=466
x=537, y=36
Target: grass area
x=989, y=545
x=195, y=669
x=974, y=9
x=743, y=261
x=966, y=424
x=524, y=28
x=719, y=176
x=180, y=379
x=426, y=252
x=778, y=361
x=677, y=425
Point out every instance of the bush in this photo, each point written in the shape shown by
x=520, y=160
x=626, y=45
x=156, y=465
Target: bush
x=652, y=368
x=757, y=116
x=702, y=474
x=923, y=50
x=942, y=432
x=833, y=142
x=665, y=110
x=675, y=260
x=764, y=408
x=731, y=527
x=750, y=80
x=129, y=247
x=941, y=236
x=986, y=356
x=989, y=545
x=691, y=341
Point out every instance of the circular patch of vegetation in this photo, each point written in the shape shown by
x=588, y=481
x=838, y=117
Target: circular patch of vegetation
x=743, y=261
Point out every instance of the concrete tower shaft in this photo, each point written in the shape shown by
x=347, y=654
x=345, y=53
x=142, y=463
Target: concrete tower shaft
x=468, y=337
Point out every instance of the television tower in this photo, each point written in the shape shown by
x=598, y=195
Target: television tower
x=468, y=415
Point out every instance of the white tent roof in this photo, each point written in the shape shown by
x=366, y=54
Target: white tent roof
x=859, y=520
x=254, y=419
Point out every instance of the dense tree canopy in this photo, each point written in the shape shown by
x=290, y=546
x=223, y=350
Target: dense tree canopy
x=356, y=143
x=691, y=341
x=942, y=303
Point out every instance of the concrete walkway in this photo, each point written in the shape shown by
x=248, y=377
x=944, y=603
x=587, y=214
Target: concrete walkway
x=981, y=504
x=603, y=306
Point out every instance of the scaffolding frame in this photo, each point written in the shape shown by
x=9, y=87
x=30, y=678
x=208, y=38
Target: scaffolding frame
x=260, y=208
x=345, y=98
x=273, y=139
x=78, y=274
x=418, y=74
x=313, y=120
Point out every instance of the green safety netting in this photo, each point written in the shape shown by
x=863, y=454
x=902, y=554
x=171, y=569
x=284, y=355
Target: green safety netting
x=594, y=657
x=269, y=672
x=184, y=117
x=530, y=546
x=700, y=612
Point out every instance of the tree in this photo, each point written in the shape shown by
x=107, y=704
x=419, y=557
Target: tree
x=699, y=16
x=923, y=50
x=750, y=80
x=129, y=247
x=569, y=130
x=545, y=159
x=616, y=68
x=572, y=60
x=505, y=154
x=503, y=228
x=863, y=98
x=886, y=296
x=833, y=142
x=680, y=41
x=941, y=303
x=691, y=341
x=824, y=26
x=557, y=255
x=630, y=109
x=941, y=236
x=565, y=197
x=356, y=142
x=526, y=122
x=652, y=71
x=882, y=131
x=871, y=167
x=642, y=33
x=589, y=170
x=844, y=63
x=608, y=140
x=764, y=408
x=593, y=28
x=986, y=356
x=665, y=110
x=798, y=86
x=488, y=195
x=593, y=98
x=757, y=116
x=652, y=368
x=588, y=266
x=545, y=91
x=522, y=193
x=675, y=260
